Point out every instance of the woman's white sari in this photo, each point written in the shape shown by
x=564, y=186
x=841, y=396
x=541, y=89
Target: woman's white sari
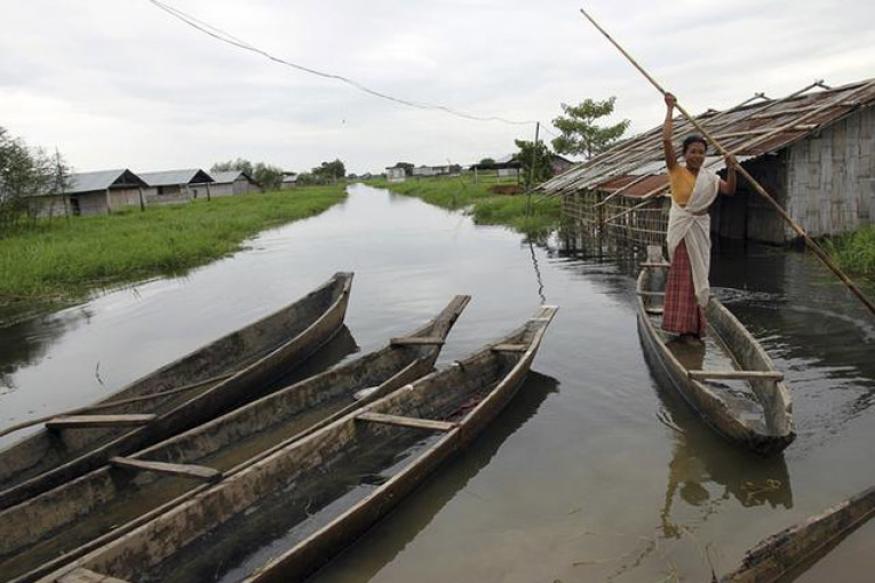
x=692, y=224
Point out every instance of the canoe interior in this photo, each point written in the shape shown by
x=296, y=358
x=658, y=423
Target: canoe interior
x=67, y=517
x=759, y=408
x=279, y=502
x=47, y=450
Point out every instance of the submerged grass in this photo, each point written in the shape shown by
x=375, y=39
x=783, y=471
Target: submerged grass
x=63, y=259
x=485, y=207
x=855, y=252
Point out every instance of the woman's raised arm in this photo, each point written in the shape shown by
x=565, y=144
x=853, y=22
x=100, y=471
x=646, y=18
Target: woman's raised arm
x=670, y=159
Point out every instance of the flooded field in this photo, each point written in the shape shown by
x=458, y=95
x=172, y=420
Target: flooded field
x=593, y=473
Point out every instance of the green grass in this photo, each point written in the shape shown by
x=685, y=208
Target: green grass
x=63, y=259
x=484, y=207
x=855, y=252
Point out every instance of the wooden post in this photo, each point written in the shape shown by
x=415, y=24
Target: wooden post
x=208, y=191
x=814, y=247
x=108, y=203
x=142, y=202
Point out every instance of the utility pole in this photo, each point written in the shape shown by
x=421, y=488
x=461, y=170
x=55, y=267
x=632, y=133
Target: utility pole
x=532, y=169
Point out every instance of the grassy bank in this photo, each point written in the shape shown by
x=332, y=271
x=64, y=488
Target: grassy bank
x=855, y=252
x=63, y=259
x=479, y=201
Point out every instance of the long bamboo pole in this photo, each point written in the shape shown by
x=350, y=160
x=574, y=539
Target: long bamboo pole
x=815, y=248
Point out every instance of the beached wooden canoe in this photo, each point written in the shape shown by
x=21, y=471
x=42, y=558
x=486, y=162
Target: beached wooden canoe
x=49, y=530
x=283, y=516
x=223, y=373
x=729, y=380
x=788, y=553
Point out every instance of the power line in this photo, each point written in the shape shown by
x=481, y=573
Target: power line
x=228, y=38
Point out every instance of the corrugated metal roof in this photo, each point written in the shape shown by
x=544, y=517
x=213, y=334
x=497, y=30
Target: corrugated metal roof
x=228, y=176
x=747, y=130
x=103, y=179
x=174, y=177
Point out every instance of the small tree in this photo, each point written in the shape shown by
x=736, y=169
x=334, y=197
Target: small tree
x=239, y=164
x=26, y=172
x=580, y=134
x=269, y=177
x=486, y=162
x=330, y=171
x=539, y=158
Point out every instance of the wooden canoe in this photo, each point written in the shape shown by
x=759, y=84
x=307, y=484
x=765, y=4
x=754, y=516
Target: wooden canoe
x=49, y=530
x=253, y=356
x=750, y=405
x=318, y=494
x=787, y=554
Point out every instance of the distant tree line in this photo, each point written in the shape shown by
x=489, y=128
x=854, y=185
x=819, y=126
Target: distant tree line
x=26, y=172
x=267, y=176
x=271, y=177
x=325, y=173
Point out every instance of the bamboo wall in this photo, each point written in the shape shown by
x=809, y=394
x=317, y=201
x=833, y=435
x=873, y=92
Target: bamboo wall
x=640, y=227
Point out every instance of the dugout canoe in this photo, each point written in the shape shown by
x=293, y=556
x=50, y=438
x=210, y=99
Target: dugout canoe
x=316, y=495
x=787, y=554
x=223, y=373
x=741, y=395
x=66, y=522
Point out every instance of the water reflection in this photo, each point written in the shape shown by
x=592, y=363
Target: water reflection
x=25, y=342
x=412, y=516
x=701, y=459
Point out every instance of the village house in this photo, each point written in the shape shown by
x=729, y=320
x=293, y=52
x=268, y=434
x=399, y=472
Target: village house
x=505, y=167
x=92, y=193
x=172, y=186
x=290, y=180
x=421, y=171
x=230, y=182
x=813, y=150
x=396, y=173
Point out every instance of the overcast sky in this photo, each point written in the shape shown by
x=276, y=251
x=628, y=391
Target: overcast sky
x=122, y=84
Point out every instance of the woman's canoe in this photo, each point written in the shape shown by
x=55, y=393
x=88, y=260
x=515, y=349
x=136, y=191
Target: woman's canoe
x=225, y=373
x=750, y=404
x=66, y=522
x=318, y=494
x=787, y=554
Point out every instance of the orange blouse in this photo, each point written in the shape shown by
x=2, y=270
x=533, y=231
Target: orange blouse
x=682, y=183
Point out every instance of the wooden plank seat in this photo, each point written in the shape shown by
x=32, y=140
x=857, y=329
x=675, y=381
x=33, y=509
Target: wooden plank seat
x=655, y=311
x=650, y=294
x=417, y=341
x=413, y=422
x=93, y=421
x=182, y=470
x=510, y=347
x=81, y=575
x=665, y=264
x=736, y=375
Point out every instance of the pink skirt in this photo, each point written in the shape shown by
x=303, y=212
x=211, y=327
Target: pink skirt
x=681, y=312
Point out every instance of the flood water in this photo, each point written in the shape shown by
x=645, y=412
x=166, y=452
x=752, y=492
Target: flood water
x=594, y=472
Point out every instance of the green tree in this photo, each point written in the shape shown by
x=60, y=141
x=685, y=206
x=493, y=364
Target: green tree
x=330, y=171
x=486, y=162
x=26, y=172
x=269, y=177
x=580, y=134
x=539, y=158
x=238, y=164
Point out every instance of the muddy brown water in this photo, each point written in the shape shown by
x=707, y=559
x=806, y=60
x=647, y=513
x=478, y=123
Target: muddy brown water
x=594, y=472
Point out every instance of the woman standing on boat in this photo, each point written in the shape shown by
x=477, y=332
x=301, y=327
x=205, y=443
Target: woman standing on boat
x=693, y=189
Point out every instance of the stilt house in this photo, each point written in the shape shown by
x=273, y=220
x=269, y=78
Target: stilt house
x=813, y=150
